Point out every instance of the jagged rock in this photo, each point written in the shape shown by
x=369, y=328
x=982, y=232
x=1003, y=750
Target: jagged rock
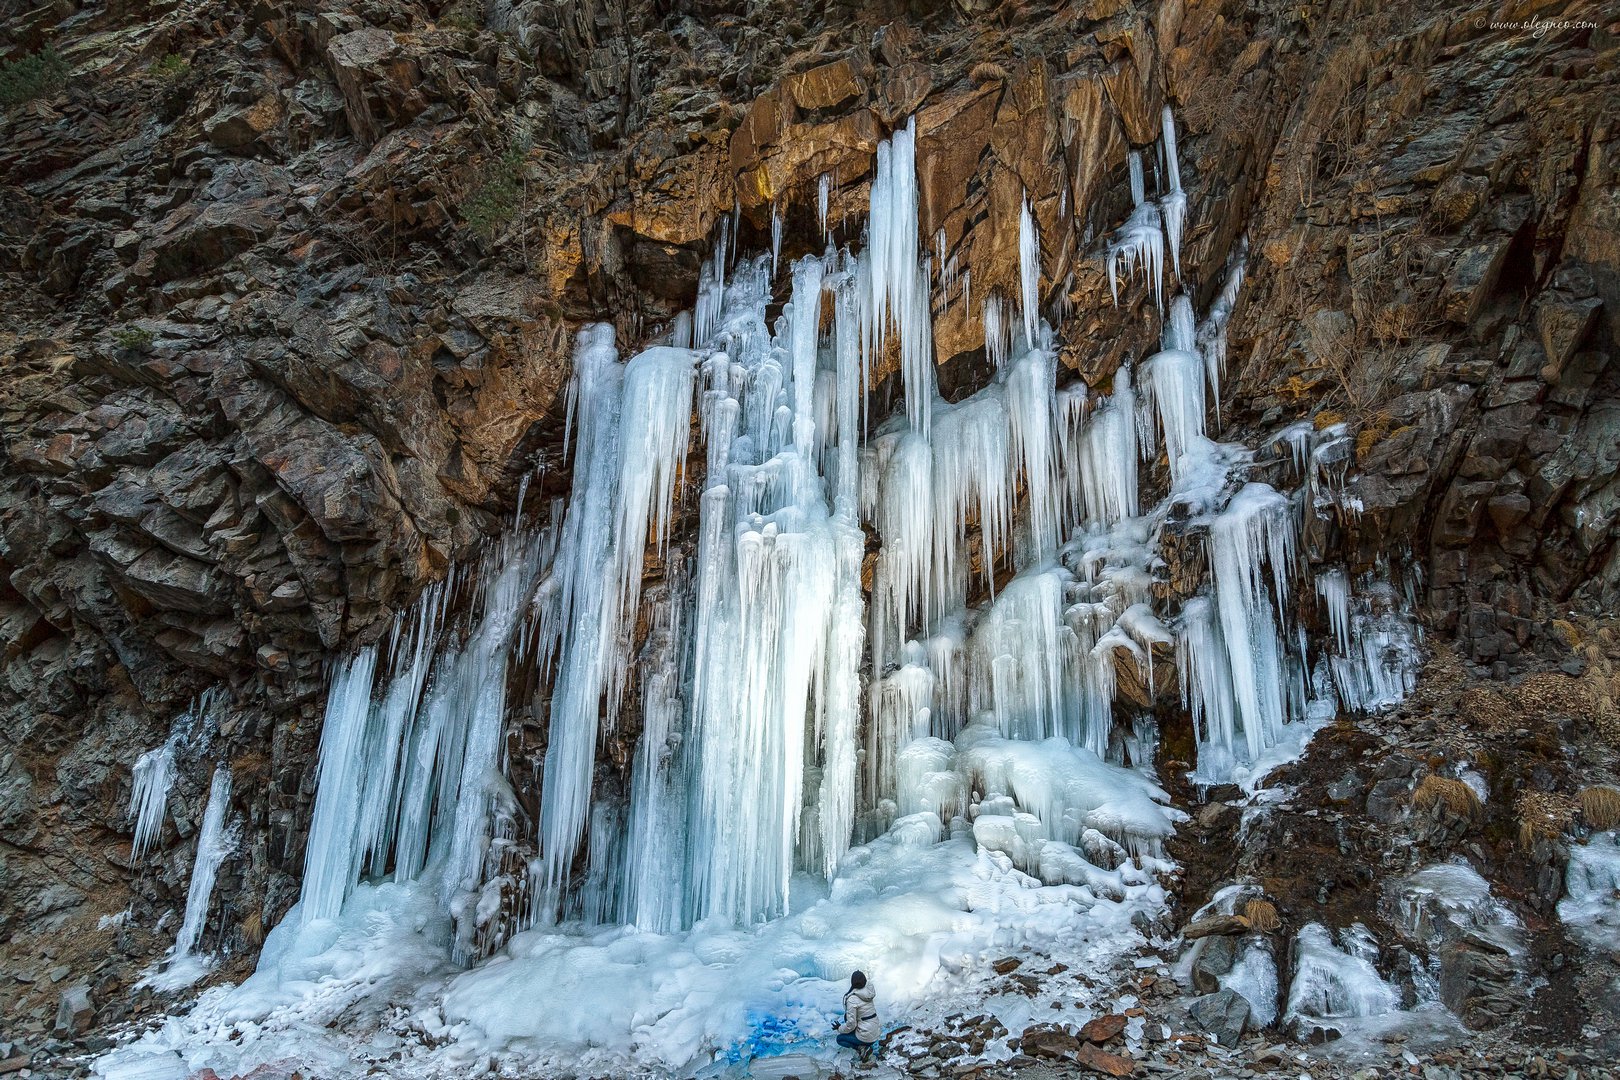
x=238, y=126
x=1100, y=1029
x=1388, y=801
x=73, y=1012
x=1224, y=1015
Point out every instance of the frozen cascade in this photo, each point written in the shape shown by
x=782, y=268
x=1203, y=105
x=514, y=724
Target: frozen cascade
x=152, y=775
x=815, y=783
x=149, y=795
x=1139, y=244
x=214, y=842
x=332, y=856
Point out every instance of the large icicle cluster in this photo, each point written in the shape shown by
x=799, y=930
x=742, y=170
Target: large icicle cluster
x=807, y=759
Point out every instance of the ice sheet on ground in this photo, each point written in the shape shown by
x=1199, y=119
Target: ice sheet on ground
x=925, y=922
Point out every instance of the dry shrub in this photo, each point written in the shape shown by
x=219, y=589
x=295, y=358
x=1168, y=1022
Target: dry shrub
x=1262, y=916
x=253, y=928
x=1488, y=709
x=1457, y=796
x=1543, y=814
x=1600, y=807
x=987, y=71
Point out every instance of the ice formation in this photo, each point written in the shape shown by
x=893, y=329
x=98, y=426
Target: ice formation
x=1591, y=903
x=149, y=796
x=820, y=780
x=215, y=840
x=1331, y=981
x=154, y=771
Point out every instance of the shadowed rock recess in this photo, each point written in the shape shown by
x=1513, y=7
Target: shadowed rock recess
x=293, y=310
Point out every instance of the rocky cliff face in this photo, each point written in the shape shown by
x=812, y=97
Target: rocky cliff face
x=289, y=288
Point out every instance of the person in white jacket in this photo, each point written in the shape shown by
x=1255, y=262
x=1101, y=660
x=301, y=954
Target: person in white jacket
x=860, y=1029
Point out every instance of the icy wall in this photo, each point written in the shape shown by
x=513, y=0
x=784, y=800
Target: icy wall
x=889, y=650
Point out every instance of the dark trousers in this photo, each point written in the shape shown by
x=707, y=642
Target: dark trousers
x=851, y=1042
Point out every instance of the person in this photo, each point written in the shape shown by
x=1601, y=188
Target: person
x=859, y=1031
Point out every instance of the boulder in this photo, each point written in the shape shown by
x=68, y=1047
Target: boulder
x=74, y=1012
x=1099, y=1029
x=1224, y=1015
x=1215, y=958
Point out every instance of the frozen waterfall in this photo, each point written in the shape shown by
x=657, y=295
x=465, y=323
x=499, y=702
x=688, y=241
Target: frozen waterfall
x=818, y=685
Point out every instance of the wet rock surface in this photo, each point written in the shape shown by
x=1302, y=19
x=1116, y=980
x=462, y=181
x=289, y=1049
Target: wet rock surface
x=288, y=290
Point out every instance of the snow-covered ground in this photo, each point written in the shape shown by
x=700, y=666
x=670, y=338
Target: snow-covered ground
x=376, y=986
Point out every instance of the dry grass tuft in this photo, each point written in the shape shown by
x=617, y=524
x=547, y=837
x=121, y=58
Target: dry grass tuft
x=1543, y=814
x=1457, y=796
x=987, y=71
x=1262, y=916
x=253, y=928
x=1600, y=807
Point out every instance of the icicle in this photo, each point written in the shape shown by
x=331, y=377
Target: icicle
x=1174, y=202
x=590, y=602
x=214, y=843
x=997, y=334
x=823, y=194
x=1033, y=445
x=776, y=237
x=1029, y=271
x=1173, y=380
x=1212, y=331
x=1253, y=532
x=1140, y=241
x=1106, y=446
x=149, y=797
x=899, y=288
x=1334, y=588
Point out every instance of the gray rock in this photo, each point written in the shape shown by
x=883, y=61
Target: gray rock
x=1214, y=960
x=73, y=1012
x=1223, y=1015
x=1387, y=801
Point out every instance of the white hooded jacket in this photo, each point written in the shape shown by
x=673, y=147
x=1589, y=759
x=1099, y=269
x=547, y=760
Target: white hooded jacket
x=860, y=1016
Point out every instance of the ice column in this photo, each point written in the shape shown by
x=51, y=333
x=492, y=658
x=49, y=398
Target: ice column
x=214, y=843
x=1174, y=202
x=898, y=294
x=1029, y=272
x=331, y=855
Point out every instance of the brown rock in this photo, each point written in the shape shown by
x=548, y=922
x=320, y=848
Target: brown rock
x=238, y=126
x=829, y=86
x=1215, y=925
x=1104, y=1062
x=1046, y=1041
x=1100, y=1029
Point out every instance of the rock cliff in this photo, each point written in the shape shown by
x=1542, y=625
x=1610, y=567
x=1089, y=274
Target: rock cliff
x=288, y=289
